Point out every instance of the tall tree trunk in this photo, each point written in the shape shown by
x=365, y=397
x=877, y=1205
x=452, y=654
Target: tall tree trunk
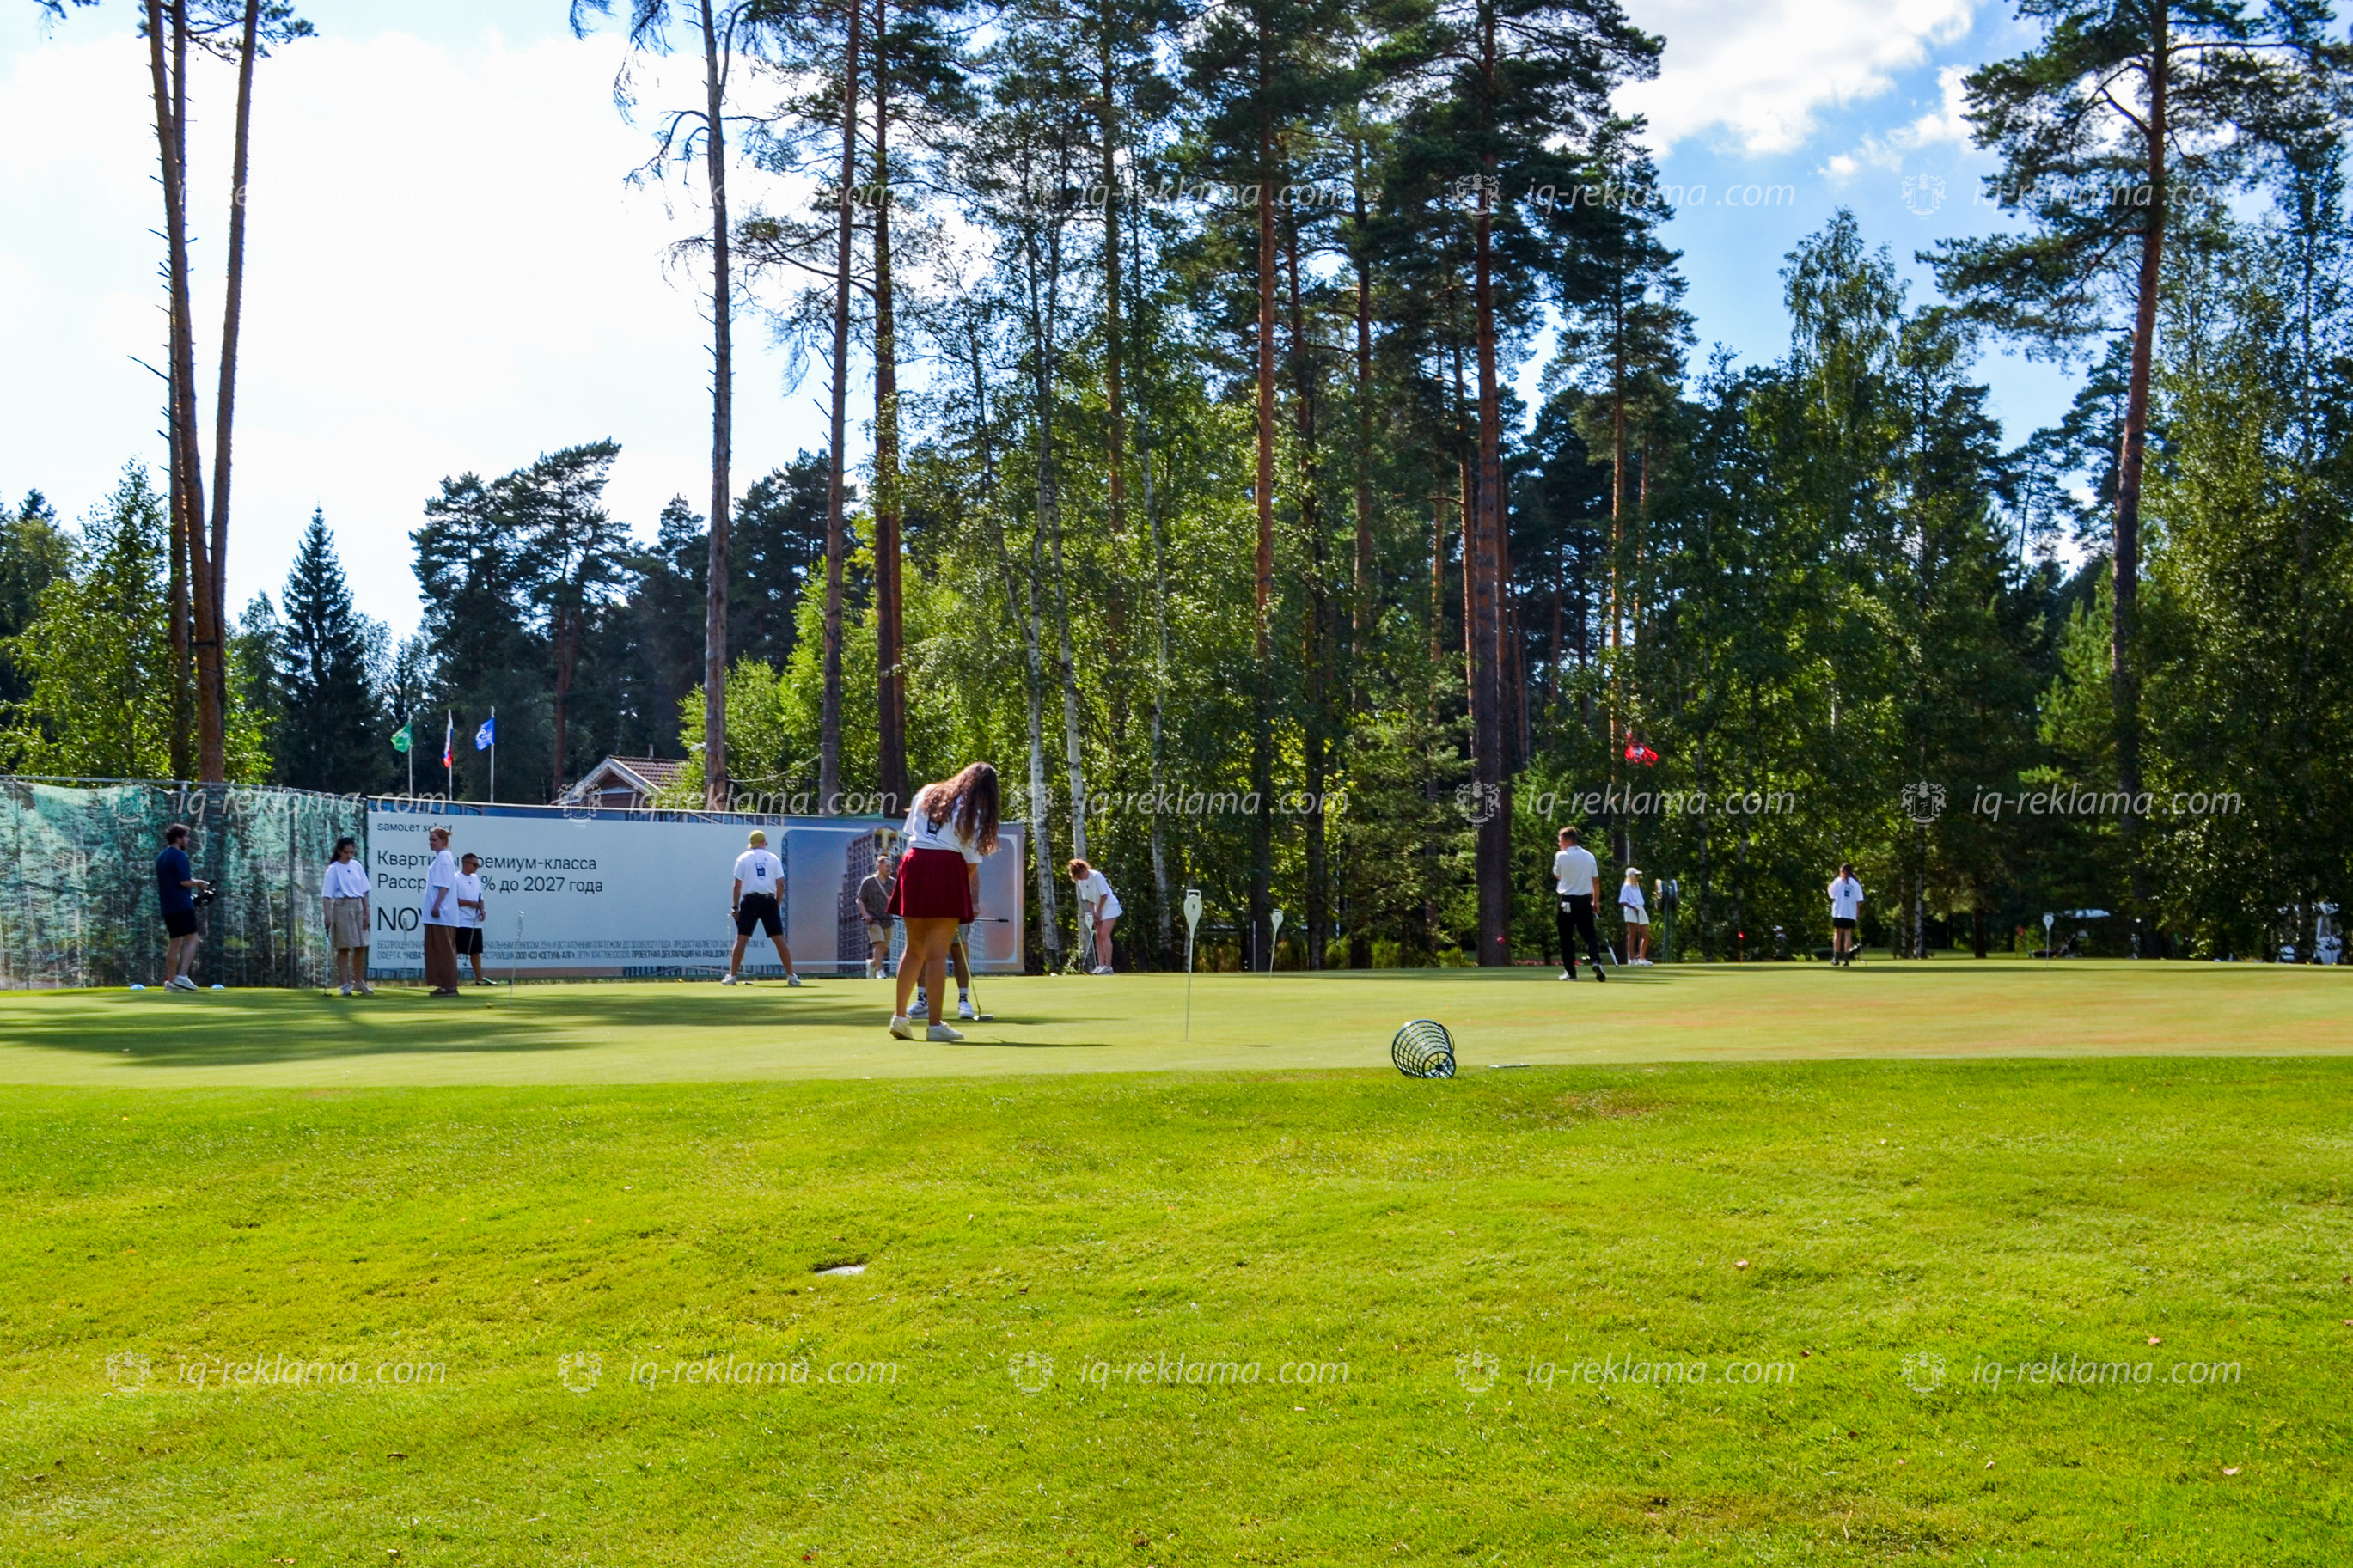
x=232, y=315
x=1040, y=804
x=1364, y=601
x=1316, y=741
x=715, y=788
x=567, y=661
x=183, y=685
x=828, y=745
x=1262, y=728
x=1494, y=855
x=890, y=688
x=1045, y=328
x=1165, y=908
x=1114, y=395
x=187, y=461
x=2123, y=654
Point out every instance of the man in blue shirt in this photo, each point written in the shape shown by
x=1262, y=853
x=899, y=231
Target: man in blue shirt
x=176, y=887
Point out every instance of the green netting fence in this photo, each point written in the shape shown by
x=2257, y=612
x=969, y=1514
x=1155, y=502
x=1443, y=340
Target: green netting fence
x=78, y=880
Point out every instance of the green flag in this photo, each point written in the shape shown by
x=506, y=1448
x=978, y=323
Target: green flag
x=400, y=738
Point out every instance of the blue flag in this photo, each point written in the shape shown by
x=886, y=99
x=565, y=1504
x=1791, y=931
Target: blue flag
x=487, y=736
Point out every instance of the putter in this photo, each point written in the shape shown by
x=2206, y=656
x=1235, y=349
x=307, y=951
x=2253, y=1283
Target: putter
x=972, y=981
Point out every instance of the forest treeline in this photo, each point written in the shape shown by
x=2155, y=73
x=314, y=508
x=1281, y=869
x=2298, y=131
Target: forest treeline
x=1185, y=345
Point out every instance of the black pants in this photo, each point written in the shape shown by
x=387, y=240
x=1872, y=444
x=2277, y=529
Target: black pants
x=1574, y=916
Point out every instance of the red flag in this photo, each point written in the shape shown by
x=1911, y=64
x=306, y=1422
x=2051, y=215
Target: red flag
x=1638, y=753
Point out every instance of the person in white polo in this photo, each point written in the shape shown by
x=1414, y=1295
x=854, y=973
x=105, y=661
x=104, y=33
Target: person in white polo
x=1574, y=871
x=758, y=900
x=1846, y=909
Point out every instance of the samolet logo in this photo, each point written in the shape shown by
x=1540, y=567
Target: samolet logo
x=1479, y=802
x=1924, y=802
x=1032, y=1371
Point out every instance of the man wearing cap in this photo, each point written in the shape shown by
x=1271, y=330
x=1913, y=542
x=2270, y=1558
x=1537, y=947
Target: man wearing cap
x=757, y=901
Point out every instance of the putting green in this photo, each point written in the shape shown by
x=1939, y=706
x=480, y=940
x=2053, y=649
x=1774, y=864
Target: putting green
x=674, y=1032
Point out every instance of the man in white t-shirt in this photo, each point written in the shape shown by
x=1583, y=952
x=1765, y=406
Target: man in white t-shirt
x=1573, y=874
x=1846, y=909
x=1636, y=913
x=440, y=916
x=472, y=914
x=758, y=900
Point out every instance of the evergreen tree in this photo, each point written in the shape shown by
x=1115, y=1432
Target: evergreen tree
x=34, y=552
x=97, y=657
x=2123, y=114
x=330, y=729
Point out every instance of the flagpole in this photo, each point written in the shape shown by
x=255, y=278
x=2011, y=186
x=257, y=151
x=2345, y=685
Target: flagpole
x=494, y=754
x=448, y=756
x=411, y=749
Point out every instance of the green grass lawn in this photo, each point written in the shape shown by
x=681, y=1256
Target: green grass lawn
x=674, y=1032
x=1594, y=1311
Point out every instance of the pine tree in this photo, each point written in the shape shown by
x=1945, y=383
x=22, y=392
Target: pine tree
x=34, y=552
x=329, y=733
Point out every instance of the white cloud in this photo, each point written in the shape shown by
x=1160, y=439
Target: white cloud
x=1944, y=125
x=1760, y=72
x=445, y=272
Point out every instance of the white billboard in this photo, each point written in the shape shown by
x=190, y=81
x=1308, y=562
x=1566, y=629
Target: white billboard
x=581, y=893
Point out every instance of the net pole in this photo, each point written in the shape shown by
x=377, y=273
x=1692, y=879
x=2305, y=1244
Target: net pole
x=1189, y=985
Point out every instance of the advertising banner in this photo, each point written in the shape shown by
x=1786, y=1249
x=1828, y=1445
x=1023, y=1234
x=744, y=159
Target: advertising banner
x=581, y=893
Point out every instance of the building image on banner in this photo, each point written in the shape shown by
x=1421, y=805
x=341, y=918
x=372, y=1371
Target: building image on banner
x=581, y=893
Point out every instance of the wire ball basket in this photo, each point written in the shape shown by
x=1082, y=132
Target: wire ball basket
x=1423, y=1050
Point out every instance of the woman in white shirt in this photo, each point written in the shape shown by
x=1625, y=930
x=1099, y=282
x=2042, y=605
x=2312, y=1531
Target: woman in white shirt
x=344, y=900
x=952, y=828
x=1098, y=908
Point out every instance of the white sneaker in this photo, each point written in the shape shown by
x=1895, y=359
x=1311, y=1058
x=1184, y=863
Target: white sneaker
x=966, y=1011
x=347, y=990
x=919, y=1005
x=792, y=980
x=179, y=983
x=726, y=980
x=1565, y=974
x=900, y=1028
x=942, y=1035
x=1100, y=969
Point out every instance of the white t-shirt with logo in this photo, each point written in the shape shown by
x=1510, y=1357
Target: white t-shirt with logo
x=1573, y=870
x=469, y=892
x=1630, y=899
x=760, y=872
x=1095, y=890
x=443, y=876
x=1846, y=899
x=921, y=833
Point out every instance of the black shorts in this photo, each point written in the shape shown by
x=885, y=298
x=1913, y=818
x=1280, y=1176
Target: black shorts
x=759, y=910
x=179, y=922
x=1841, y=923
x=469, y=939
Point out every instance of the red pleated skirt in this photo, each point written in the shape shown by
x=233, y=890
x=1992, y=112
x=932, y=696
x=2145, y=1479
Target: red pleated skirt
x=933, y=886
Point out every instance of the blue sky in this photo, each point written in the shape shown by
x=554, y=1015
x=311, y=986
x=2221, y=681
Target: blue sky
x=449, y=273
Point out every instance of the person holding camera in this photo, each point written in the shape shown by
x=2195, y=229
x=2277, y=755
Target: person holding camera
x=178, y=890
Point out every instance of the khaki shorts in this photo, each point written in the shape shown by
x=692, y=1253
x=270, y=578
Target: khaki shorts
x=347, y=923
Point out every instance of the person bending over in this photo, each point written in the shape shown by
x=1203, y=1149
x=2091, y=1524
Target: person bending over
x=952, y=828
